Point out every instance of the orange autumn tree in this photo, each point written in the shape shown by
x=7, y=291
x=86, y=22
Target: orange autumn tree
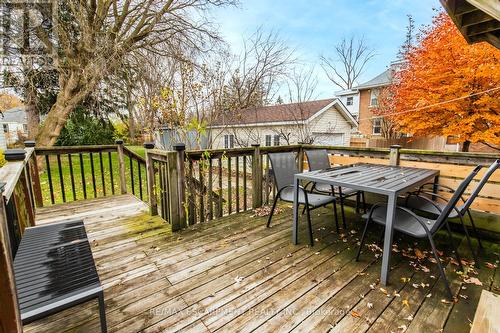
x=427, y=96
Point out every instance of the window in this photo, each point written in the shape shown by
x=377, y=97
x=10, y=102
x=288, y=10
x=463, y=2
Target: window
x=374, y=97
x=25, y=128
x=350, y=100
x=5, y=128
x=268, y=140
x=377, y=126
x=276, y=140
x=229, y=141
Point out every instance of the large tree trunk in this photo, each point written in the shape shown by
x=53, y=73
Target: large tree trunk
x=466, y=145
x=71, y=94
x=33, y=120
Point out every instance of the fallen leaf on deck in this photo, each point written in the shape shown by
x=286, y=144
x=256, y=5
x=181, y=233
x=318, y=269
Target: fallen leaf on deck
x=419, y=253
x=473, y=280
x=372, y=286
x=445, y=301
x=405, y=302
x=428, y=295
x=355, y=314
x=402, y=328
x=415, y=285
x=463, y=296
x=369, y=305
x=409, y=318
x=238, y=279
x=383, y=290
x=405, y=279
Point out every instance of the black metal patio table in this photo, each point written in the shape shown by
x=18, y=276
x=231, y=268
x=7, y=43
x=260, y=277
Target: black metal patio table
x=54, y=270
x=386, y=180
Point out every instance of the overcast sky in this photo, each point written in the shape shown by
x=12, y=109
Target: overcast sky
x=312, y=27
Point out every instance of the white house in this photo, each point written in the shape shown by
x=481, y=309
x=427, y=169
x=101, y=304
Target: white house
x=323, y=122
x=13, y=123
x=350, y=99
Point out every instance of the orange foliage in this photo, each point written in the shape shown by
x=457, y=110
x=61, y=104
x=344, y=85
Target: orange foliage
x=8, y=102
x=444, y=67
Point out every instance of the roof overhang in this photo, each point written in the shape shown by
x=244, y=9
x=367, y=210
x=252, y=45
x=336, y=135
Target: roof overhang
x=477, y=20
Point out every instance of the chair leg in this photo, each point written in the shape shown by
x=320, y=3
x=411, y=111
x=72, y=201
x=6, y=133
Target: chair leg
x=272, y=211
x=476, y=259
x=357, y=202
x=474, y=228
x=342, y=211
x=102, y=313
x=452, y=243
x=441, y=270
x=362, y=238
x=336, y=216
x=311, y=240
x=364, y=202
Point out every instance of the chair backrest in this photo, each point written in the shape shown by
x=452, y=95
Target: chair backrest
x=493, y=167
x=284, y=167
x=318, y=159
x=454, y=199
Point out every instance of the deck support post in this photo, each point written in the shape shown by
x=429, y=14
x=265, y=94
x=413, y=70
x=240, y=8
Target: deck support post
x=10, y=321
x=394, y=155
x=178, y=180
x=121, y=166
x=34, y=174
x=150, y=179
x=256, y=177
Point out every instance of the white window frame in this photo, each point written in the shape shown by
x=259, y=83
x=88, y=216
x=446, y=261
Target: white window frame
x=374, y=93
x=269, y=140
x=375, y=126
x=228, y=141
x=276, y=140
x=349, y=101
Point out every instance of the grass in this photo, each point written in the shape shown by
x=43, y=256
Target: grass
x=86, y=183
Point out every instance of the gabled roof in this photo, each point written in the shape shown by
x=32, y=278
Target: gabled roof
x=282, y=114
x=380, y=80
x=14, y=115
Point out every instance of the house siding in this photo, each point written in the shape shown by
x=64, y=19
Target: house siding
x=329, y=122
x=3, y=142
x=365, y=113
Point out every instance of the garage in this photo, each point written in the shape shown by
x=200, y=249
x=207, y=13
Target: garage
x=329, y=139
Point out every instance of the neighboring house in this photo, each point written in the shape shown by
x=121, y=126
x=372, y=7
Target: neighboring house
x=13, y=123
x=350, y=99
x=326, y=122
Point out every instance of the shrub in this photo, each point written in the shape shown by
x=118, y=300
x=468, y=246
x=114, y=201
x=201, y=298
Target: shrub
x=84, y=128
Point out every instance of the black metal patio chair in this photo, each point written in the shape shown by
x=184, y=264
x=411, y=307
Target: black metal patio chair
x=425, y=200
x=284, y=167
x=318, y=160
x=409, y=223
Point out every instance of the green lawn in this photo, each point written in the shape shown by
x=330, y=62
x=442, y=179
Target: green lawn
x=86, y=182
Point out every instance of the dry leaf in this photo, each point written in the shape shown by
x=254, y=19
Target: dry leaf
x=402, y=328
x=355, y=314
x=419, y=253
x=445, y=301
x=383, y=290
x=405, y=279
x=238, y=279
x=409, y=318
x=490, y=265
x=405, y=302
x=369, y=305
x=473, y=280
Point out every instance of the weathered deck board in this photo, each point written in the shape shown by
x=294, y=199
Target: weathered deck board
x=234, y=274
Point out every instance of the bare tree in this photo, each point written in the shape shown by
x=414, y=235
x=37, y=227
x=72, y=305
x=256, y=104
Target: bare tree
x=348, y=62
x=89, y=40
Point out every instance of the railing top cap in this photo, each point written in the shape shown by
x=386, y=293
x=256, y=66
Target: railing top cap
x=14, y=154
x=29, y=143
x=149, y=145
x=119, y=141
x=179, y=146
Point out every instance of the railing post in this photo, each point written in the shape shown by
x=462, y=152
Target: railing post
x=35, y=175
x=121, y=166
x=10, y=320
x=180, y=148
x=394, y=155
x=150, y=179
x=300, y=157
x=256, y=177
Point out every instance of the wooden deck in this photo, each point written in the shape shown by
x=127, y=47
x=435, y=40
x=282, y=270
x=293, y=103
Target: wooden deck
x=235, y=275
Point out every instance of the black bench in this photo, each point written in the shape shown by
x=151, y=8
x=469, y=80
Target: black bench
x=55, y=270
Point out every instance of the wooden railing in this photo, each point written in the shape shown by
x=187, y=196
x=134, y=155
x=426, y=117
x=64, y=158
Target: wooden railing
x=189, y=187
x=84, y=172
